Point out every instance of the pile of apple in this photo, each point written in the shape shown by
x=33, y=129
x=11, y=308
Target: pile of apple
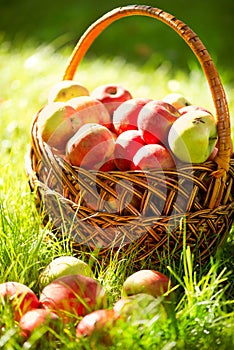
x=108, y=129
x=71, y=295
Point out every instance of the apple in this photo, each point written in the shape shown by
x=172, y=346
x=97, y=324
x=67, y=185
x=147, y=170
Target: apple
x=89, y=110
x=193, y=136
x=61, y=266
x=36, y=318
x=97, y=325
x=126, y=115
x=140, y=307
x=155, y=120
x=146, y=281
x=190, y=108
x=72, y=296
x=152, y=156
x=177, y=100
x=91, y=146
x=54, y=124
x=21, y=297
x=126, y=145
x=111, y=95
x=65, y=90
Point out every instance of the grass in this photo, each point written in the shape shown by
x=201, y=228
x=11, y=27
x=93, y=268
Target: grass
x=203, y=315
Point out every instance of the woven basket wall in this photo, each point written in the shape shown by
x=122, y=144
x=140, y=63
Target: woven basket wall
x=145, y=213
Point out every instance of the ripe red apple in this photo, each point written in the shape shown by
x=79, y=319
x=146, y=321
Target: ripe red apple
x=36, y=318
x=155, y=120
x=126, y=115
x=21, y=297
x=89, y=110
x=91, y=146
x=54, y=124
x=97, y=325
x=72, y=296
x=111, y=95
x=146, y=281
x=152, y=156
x=126, y=146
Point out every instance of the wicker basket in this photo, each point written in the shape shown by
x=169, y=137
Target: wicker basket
x=157, y=211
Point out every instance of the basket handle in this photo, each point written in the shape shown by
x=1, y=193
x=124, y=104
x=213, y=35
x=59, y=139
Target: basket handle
x=217, y=91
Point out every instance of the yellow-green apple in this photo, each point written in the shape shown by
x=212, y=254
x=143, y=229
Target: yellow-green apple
x=72, y=296
x=98, y=325
x=20, y=296
x=111, y=95
x=126, y=115
x=35, y=319
x=153, y=156
x=54, y=124
x=146, y=281
x=126, y=146
x=65, y=90
x=89, y=110
x=155, y=120
x=190, y=108
x=61, y=266
x=193, y=136
x=91, y=146
x=140, y=307
x=177, y=100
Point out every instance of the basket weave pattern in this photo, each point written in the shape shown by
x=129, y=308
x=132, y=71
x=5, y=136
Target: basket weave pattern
x=140, y=211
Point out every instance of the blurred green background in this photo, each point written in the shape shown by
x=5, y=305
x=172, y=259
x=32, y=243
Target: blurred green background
x=138, y=39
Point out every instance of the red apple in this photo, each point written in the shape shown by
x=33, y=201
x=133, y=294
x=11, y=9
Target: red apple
x=152, y=156
x=72, y=296
x=190, y=108
x=126, y=115
x=36, y=318
x=91, y=146
x=21, y=297
x=146, y=281
x=111, y=95
x=155, y=120
x=126, y=146
x=97, y=325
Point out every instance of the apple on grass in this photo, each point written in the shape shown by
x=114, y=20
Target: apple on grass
x=61, y=266
x=54, y=124
x=72, y=296
x=193, y=136
x=126, y=115
x=155, y=120
x=152, y=156
x=64, y=90
x=21, y=297
x=126, y=146
x=91, y=146
x=111, y=95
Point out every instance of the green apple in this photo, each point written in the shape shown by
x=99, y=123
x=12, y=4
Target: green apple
x=62, y=266
x=177, y=100
x=193, y=136
x=65, y=90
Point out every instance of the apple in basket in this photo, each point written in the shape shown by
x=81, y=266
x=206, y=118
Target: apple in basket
x=89, y=110
x=155, y=120
x=21, y=298
x=72, y=296
x=146, y=281
x=126, y=115
x=62, y=266
x=126, y=146
x=65, y=90
x=111, y=95
x=54, y=124
x=153, y=156
x=37, y=318
x=193, y=136
x=91, y=146
x=177, y=100
x=190, y=108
